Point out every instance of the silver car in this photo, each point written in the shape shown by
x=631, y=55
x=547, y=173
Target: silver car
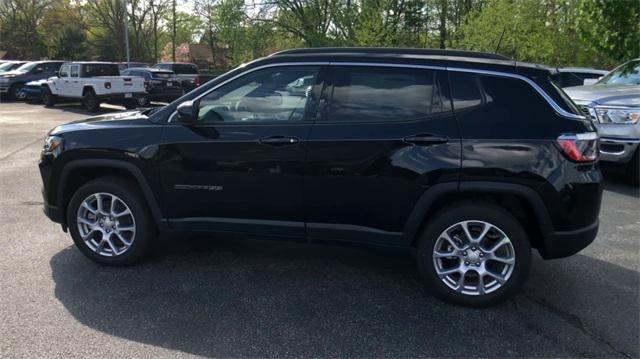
x=613, y=103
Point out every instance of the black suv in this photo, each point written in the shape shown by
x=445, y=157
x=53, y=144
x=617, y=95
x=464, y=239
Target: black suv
x=161, y=85
x=468, y=158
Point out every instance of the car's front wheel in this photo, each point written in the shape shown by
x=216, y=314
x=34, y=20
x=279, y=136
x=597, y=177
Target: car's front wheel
x=109, y=221
x=48, y=98
x=474, y=254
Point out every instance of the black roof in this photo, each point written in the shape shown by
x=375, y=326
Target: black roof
x=392, y=51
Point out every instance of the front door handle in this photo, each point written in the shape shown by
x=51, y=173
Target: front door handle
x=279, y=141
x=426, y=139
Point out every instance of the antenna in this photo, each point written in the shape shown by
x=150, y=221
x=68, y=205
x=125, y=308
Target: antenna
x=504, y=28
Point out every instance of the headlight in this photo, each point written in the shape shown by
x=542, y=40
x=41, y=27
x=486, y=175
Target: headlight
x=617, y=115
x=52, y=146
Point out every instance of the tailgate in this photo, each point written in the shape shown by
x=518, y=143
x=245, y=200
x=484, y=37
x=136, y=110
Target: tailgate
x=125, y=84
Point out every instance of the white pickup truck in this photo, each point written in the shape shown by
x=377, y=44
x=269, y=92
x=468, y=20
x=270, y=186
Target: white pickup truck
x=93, y=83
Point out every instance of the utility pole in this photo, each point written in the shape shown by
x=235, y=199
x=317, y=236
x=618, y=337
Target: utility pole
x=173, y=40
x=126, y=31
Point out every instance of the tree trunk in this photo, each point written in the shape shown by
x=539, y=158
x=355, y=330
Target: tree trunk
x=443, y=23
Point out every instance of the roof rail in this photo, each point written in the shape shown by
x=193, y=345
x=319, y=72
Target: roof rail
x=392, y=50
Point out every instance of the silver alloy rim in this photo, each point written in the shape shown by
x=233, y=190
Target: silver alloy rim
x=106, y=224
x=474, y=257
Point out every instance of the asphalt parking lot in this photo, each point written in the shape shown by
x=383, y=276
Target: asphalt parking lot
x=231, y=297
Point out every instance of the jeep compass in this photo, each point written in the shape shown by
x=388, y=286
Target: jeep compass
x=470, y=159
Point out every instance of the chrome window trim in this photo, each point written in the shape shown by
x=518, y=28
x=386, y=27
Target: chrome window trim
x=557, y=109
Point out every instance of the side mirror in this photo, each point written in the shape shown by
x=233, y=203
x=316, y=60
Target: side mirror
x=56, y=74
x=187, y=113
x=38, y=70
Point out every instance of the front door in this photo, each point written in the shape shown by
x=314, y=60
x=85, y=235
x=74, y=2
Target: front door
x=240, y=168
x=383, y=136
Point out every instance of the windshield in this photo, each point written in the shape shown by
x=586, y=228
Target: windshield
x=8, y=66
x=27, y=67
x=626, y=74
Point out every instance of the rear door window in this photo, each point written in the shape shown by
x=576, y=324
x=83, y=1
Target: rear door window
x=383, y=94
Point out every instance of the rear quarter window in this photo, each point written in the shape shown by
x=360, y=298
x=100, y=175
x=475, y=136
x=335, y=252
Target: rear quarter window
x=96, y=70
x=185, y=69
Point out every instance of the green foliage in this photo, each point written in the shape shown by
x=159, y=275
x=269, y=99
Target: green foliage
x=610, y=28
x=598, y=33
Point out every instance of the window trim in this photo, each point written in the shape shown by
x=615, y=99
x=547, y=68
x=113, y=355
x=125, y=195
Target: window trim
x=556, y=108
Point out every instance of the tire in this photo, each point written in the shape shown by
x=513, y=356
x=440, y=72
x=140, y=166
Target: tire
x=494, y=291
x=90, y=101
x=633, y=171
x=142, y=101
x=48, y=98
x=131, y=104
x=14, y=92
x=117, y=228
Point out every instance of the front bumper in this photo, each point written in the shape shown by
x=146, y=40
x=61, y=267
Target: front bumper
x=562, y=244
x=619, y=150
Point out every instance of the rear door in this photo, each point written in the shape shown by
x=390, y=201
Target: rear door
x=382, y=137
x=240, y=167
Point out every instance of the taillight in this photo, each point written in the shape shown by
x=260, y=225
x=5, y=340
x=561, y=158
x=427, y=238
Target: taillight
x=581, y=147
x=197, y=81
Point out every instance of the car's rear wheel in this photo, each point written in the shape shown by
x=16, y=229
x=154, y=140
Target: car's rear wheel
x=109, y=221
x=48, y=98
x=90, y=101
x=131, y=104
x=474, y=254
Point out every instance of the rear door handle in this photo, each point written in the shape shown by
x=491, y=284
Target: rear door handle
x=279, y=141
x=426, y=139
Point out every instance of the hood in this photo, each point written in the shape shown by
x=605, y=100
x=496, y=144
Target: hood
x=36, y=82
x=605, y=94
x=127, y=119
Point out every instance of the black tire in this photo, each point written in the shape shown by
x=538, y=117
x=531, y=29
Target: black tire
x=142, y=101
x=14, y=91
x=131, y=104
x=486, y=212
x=633, y=169
x=126, y=191
x=90, y=101
x=48, y=98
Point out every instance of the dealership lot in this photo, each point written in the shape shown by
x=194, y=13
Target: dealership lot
x=237, y=297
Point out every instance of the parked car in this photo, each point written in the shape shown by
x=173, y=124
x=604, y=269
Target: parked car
x=93, y=83
x=469, y=159
x=613, y=103
x=11, y=82
x=10, y=65
x=187, y=72
x=160, y=85
x=32, y=91
x=576, y=76
x=126, y=65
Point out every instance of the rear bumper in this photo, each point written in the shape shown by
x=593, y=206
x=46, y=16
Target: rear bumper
x=562, y=244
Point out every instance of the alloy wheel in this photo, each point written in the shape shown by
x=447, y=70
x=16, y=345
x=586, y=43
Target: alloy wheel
x=106, y=224
x=474, y=257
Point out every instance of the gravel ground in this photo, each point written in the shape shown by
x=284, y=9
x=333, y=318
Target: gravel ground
x=249, y=298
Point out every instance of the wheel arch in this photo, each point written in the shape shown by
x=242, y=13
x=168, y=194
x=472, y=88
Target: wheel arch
x=77, y=172
x=522, y=201
x=87, y=88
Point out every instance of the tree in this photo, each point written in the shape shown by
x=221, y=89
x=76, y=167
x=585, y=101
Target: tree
x=611, y=29
x=71, y=43
x=20, y=30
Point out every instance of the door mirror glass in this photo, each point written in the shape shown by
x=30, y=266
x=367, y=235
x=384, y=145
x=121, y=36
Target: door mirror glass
x=38, y=70
x=187, y=113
